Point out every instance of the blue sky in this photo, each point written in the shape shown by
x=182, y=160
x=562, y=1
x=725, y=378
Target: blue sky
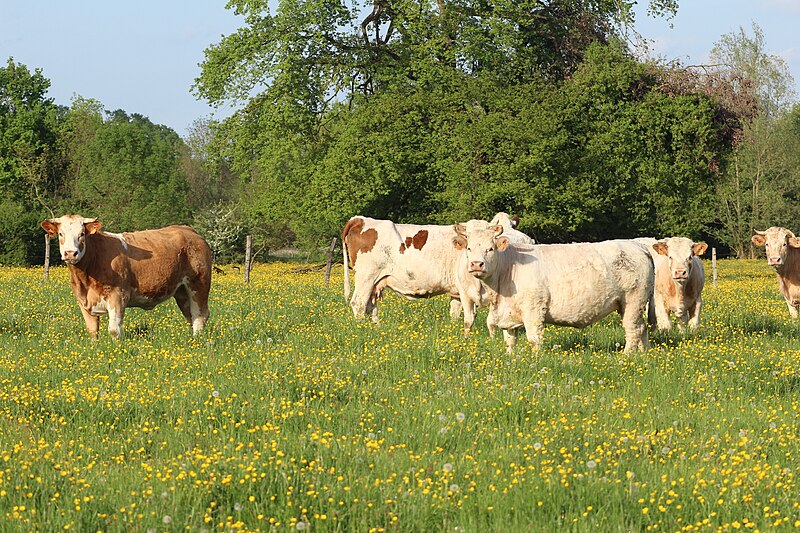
x=143, y=56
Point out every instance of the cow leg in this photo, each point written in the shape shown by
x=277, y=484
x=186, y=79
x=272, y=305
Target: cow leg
x=792, y=308
x=364, y=300
x=92, y=323
x=662, y=314
x=534, y=330
x=635, y=328
x=491, y=324
x=116, y=312
x=681, y=320
x=194, y=306
x=510, y=338
x=455, y=308
x=469, y=312
x=694, y=314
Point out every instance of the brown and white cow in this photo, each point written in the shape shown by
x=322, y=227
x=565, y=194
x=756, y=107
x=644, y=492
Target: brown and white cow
x=416, y=261
x=783, y=255
x=679, y=280
x=110, y=272
x=564, y=284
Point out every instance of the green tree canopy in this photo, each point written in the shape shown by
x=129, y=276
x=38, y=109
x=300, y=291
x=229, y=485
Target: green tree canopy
x=128, y=173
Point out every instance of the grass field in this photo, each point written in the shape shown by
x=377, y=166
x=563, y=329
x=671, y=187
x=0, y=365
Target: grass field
x=289, y=414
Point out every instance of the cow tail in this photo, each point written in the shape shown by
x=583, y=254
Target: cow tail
x=651, y=304
x=346, y=263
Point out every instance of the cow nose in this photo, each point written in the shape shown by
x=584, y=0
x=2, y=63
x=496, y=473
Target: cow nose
x=680, y=274
x=69, y=254
x=774, y=260
x=476, y=265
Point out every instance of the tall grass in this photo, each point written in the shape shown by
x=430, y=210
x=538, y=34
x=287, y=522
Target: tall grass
x=287, y=413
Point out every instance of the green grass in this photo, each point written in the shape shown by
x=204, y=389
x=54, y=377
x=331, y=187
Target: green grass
x=289, y=414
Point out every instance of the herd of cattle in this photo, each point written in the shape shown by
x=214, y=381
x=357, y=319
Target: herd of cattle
x=477, y=263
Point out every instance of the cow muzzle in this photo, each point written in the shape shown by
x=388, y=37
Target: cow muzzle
x=70, y=256
x=775, y=261
x=680, y=275
x=477, y=268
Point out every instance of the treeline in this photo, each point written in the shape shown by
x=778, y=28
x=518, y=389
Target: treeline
x=422, y=113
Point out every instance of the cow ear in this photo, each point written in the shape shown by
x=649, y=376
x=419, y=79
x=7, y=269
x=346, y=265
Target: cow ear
x=661, y=248
x=92, y=226
x=501, y=243
x=699, y=248
x=794, y=242
x=459, y=242
x=758, y=240
x=50, y=226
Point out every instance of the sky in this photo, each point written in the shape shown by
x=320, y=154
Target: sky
x=699, y=24
x=139, y=56
x=143, y=56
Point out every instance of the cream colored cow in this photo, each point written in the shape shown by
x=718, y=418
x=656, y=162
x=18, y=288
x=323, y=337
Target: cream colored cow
x=564, y=284
x=783, y=255
x=679, y=280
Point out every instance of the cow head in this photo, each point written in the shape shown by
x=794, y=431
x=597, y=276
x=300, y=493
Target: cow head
x=71, y=231
x=508, y=222
x=776, y=242
x=680, y=252
x=482, y=242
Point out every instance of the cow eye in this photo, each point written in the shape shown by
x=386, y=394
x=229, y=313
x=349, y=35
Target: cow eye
x=491, y=249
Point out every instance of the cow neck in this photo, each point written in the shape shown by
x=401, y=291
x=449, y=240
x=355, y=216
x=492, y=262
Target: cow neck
x=82, y=268
x=791, y=269
x=680, y=292
x=503, y=272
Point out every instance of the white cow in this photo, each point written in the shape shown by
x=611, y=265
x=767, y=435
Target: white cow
x=565, y=284
x=679, y=280
x=510, y=230
x=416, y=261
x=783, y=255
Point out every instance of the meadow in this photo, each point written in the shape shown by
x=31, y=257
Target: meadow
x=289, y=414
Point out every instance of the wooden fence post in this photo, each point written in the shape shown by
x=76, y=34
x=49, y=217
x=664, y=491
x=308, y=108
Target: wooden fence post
x=329, y=262
x=46, y=257
x=714, y=265
x=247, y=261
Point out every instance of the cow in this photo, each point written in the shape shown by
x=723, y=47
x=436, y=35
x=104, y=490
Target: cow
x=110, y=272
x=679, y=280
x=510, y=230
x=416, y=261
x=564, y=284
x=783, y=255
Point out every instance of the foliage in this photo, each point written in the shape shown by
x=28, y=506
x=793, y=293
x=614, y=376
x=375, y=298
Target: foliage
x=768, y=74
x=220, y=225
x=21, y=239
x=602, y=155
x=27, y=122
x=759, y=187
x=130, y=176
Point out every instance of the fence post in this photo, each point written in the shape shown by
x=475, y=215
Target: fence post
x=247, y=250
x=46, y=257
x=714, y=265
x=329, y=263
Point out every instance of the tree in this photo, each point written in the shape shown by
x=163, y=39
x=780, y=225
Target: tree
x=129, y=174
x=758, y=180
x=29, y=174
